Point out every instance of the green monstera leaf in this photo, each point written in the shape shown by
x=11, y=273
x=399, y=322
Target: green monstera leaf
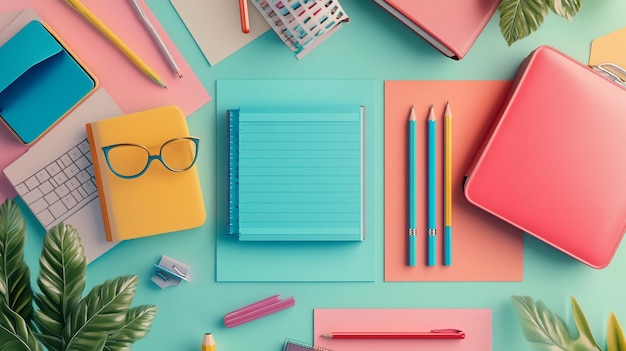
x=62, y=269
x=136, y=326
x=64, y=320
x=103, y=311
x=542, y=328
x=547, y=331
x=585, y=339
x=519, y=18
x=615, y=340
x=565, y=8
x=14, y=273
x=15, y=334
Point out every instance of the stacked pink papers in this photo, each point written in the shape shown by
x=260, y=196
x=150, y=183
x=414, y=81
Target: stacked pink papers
x=475, y=323
x=484, y=248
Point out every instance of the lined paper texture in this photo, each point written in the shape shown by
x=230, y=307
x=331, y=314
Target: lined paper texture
x=297, y=173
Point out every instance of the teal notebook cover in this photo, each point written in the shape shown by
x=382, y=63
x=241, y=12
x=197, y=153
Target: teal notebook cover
x=296, y=173
x=40, y=82
x=295, y=260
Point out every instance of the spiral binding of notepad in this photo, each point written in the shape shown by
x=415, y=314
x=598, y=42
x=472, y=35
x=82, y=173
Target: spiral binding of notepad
x=294, y=345
x=233, y=171
x=302, y=24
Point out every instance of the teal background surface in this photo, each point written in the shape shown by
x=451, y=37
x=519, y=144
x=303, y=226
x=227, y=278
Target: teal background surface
x=371, y=46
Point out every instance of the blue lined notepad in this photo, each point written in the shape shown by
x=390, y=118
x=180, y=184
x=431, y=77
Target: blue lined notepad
x=296, y=173
x=300, y=261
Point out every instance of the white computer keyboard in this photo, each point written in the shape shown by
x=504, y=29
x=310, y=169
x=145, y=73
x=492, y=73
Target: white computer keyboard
x=60, y=188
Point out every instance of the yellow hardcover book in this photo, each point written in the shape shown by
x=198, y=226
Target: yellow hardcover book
x=144, y=166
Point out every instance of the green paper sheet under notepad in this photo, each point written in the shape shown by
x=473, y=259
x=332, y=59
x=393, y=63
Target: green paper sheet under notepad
x=296, y=173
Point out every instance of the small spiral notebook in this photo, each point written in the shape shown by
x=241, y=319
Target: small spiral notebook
x=296, y=173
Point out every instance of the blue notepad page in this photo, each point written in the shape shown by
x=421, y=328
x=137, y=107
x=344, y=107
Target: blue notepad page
x=290, y=261
x=299, y=173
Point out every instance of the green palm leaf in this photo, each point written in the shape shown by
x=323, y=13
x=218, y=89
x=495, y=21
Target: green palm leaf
x=615, y=340
x=585, y=339
x=565, y=8
x=62, y=268
x=14, y=273
x=519, y=18
x=15, y=335
x=65, y=321
x=542, y=328
x=103, y=310
x=137, y=325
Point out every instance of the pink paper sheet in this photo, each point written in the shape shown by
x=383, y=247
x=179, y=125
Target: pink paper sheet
x=130, y=88
x=484, y=248
x=476, y=323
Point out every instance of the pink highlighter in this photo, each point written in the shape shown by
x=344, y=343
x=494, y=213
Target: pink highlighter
x=257, y=310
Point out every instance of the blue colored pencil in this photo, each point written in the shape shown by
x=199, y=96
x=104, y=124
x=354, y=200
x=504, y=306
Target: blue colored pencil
x=432, y=187
x=412, y=186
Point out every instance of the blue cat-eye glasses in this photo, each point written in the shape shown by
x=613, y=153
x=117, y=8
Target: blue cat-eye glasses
x=128, y=160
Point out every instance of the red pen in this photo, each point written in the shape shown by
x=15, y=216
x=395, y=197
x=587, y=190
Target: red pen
x=433, y=334
x=243, y=14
